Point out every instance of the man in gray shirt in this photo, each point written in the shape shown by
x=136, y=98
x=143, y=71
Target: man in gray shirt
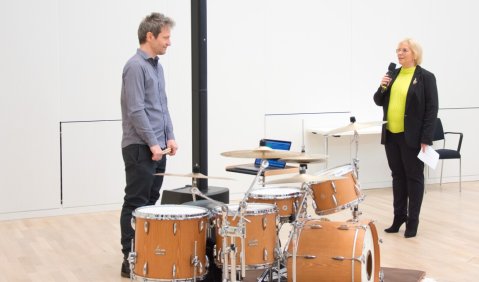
x=146, y=122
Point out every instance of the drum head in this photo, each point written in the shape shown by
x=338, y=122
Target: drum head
x=337, y=171
x=170, y=212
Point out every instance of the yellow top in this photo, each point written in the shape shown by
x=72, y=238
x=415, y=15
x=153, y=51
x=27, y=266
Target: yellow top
x=397, y=101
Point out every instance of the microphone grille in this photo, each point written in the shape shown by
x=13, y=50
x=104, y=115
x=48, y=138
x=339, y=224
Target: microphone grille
x=392, y=66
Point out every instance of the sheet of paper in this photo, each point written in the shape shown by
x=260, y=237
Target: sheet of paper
x=430, y=157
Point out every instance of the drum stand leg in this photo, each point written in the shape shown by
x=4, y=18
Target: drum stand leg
x=132, y=259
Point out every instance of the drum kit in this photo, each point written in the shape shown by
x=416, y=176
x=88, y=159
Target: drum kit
x=170, y=240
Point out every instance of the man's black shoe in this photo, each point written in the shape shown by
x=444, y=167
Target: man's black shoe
x=125, y=269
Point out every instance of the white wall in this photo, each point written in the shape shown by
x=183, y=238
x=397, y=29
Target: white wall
x=304, y=60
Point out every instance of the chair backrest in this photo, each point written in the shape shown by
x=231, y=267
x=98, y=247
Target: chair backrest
x=438, y=131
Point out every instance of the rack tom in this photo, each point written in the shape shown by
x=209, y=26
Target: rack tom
x=287, y=199
x=335, y=195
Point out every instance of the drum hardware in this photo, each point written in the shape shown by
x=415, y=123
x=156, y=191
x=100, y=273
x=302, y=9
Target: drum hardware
x=356, y=213
x=132, y=257
x=354, y=126
x=359, y=259
x=297, y=227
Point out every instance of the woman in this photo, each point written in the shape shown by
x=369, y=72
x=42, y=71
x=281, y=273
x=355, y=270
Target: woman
x=409, y=99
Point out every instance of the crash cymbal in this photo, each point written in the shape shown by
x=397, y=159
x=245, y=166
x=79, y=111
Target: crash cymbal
x=262, y=152
x=194, y=175
x=303, y=178
x=306, y=158
x=354, y=126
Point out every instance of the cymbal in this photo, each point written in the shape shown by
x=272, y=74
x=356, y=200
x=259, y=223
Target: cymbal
x=303, y=178
x=194, y=175
x=306, y=158
x=262, y=152
x=354, y=126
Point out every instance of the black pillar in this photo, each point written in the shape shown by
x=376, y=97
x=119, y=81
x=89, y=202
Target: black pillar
x=199, y=90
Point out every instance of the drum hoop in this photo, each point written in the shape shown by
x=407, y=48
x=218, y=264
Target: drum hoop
x=274, y=196
x=203, y=212
x=271, y=210
x=146, y=279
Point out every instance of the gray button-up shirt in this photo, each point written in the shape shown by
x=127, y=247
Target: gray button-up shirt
x=144, y=108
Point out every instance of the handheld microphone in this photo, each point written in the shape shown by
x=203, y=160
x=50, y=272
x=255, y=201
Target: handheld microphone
x=391, y=68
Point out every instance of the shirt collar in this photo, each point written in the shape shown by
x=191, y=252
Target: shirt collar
x=144, y=55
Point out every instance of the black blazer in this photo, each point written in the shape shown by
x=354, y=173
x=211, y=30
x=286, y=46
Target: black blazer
x=421, y=107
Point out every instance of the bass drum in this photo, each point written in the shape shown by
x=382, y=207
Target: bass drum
x=336, y=251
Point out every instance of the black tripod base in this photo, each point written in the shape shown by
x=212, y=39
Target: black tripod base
x=183, y=195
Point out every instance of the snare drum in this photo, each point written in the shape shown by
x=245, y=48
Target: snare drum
x=287, y=199
x=170, y=242
x=336, y=251
x=261, y=237
x=335, y=195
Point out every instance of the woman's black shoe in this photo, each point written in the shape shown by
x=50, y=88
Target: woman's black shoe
x=411, y=228
x=397, y=222
x=125, y=269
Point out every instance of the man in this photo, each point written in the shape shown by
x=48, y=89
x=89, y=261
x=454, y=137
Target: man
x=146, y=122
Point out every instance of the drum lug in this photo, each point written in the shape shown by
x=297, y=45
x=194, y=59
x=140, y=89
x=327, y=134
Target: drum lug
x=174, y=228
x=207, y=262
x=288, y=255
x=316, y=226
x=333, y=185
x=315, y=207
x=343, y=227
x=265, y=223
x=173, y=271
x=145, y=268
x=214, y=250
x=145, y=226
x=265, y=255
x=341, y=258
x=202, y=225
x=133, y=223
x=334, y=200
x=358, y=189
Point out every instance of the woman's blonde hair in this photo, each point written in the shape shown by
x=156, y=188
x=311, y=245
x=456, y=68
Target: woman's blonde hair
x=415, y=48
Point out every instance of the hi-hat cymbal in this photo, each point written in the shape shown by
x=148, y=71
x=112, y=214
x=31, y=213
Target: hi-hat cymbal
x=303, y=178
x=194, y=175
x=306, y=158
x=262, y=152
x=355, y=126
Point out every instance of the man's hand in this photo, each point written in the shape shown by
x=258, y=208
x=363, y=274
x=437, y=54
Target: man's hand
x=171, y=144
x=156, y=152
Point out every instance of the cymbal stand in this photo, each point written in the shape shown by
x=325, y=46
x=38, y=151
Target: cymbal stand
x=355, y=159
x=298, y=223
x=355, y=208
